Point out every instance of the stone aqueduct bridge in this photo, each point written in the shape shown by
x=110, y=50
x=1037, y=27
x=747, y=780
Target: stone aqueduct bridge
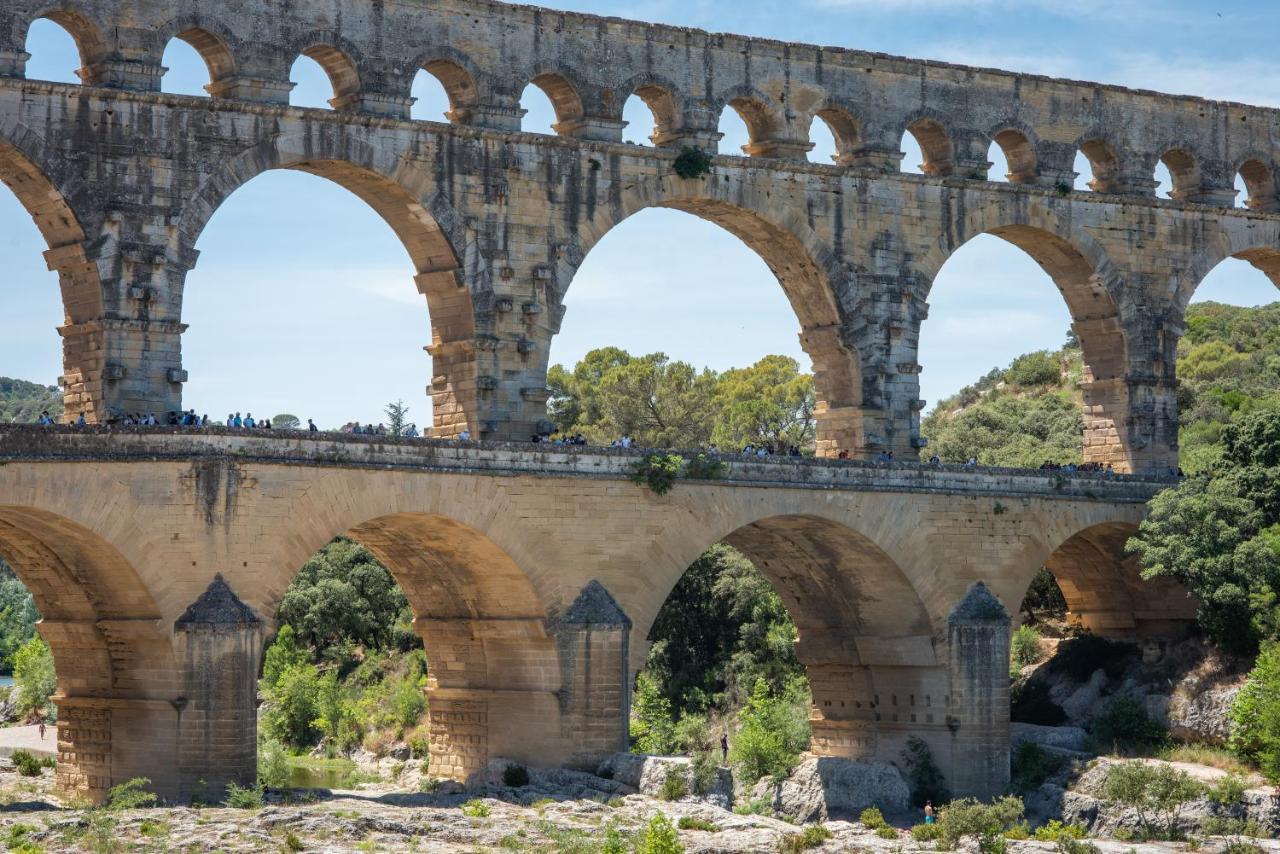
x=158, y=557
x=122, y=180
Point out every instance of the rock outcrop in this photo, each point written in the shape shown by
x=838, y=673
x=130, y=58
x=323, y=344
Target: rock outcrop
x=825, y=788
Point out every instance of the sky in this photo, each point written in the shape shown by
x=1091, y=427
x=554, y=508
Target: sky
x=303, y=300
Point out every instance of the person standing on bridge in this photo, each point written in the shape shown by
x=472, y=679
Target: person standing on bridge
x=311, y=426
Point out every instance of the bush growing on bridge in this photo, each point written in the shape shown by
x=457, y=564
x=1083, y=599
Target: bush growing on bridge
x=657, y=471
x=692, y=162
x=923, y=775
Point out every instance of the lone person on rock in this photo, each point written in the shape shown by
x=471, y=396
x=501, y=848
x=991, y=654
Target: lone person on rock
x=724, y=746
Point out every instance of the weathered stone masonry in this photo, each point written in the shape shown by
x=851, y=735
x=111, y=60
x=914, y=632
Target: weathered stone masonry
x=158, y=558
x=122, y=179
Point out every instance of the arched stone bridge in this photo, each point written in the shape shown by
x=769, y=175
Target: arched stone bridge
x=122, y=180
x=158, y=556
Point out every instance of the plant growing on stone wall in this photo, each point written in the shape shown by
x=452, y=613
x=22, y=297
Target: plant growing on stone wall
x=693, y=162
x=657, y=471
x=1062, y=188
x=923, y=774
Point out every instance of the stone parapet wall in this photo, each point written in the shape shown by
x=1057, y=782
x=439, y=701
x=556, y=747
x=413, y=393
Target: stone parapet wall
x=34, y=444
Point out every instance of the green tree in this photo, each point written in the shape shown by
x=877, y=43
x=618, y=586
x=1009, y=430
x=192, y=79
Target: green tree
x=397, y=417
x=293, y=705
x=652, y=728
x=659, y=403
x=22, y=402
x=18, y=616
x=770, y=402
x=1255, y=714
x=285, y=421
x=1156, y=793
x=283, y=653
x=1035, y=369
x=34, y=677
x=1219, y=535
x=342, y=597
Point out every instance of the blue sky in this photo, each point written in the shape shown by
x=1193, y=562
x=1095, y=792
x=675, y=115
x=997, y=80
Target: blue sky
x=303, y=300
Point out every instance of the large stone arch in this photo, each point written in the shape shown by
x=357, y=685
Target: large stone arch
x=1254, y=239
x=408, y=200
x=1094, y=294
x=63, y=209
x=113, y=654
x=866, y=638
x=505, y=672
x=808, y=269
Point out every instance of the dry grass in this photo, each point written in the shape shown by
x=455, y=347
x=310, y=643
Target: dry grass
x=1214, y=757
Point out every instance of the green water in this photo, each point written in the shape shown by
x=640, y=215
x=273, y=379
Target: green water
x=308, y=773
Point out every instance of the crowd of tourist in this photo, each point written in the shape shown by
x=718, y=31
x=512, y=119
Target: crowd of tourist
x=411, y=431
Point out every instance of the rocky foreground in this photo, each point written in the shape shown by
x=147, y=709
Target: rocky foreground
x=557, y=811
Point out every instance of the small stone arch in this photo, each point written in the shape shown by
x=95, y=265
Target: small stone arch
x=812, y=277
x=341, y=61
x=932, y=131
x=1259, y=176
x=565, y=95
x=87, y=33
x=214, y=42
x=663, y=99
x=758, y=111
x=1245, y=238
x=1104, y=160
x=457, y=75
x=1184, y=170
x=845, y=126
x=1021, y=151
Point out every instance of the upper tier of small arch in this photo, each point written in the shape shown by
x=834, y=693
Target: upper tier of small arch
x=486, y=53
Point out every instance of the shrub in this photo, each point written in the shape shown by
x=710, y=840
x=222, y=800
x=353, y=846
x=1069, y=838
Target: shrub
x=886, y=832
x=674, y=785
x=772, y=732
x=659, y=837
x=1071, y=845
x=273, y=765
x=657, y=471
x=1034, y=369
x=29, y=765
x=243, y=797
x=811, y=837
x=1228, y=790
x=1019, y=831
x=703, y=467
x=652, y=731
x=1255, y=714
x=291, y=841
x=705, y=771
x=926, y=832
x=692, y=734
x=1032, y=765
x=1124, y=723
x=1024, y=648
x=693, y=162
x=872, y=818
x=475, y=808
x=689, y=822
x=130, y=795
x=1056, y=830
x=923, y=774
x=1156, y=793
x=759, y=806
x=985, y=822
x=515, y=776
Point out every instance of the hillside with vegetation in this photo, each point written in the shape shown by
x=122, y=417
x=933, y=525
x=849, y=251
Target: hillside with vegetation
x=1029, y=412
x=22, y=402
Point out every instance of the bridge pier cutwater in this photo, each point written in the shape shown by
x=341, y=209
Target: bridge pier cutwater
x=158, y=557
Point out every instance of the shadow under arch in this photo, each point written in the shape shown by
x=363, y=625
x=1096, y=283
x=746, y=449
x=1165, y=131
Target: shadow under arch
x=1104, y=590
x=113, y=654
x=431, y=232
x=805, y=267
x=1082, y=273
x=865, y=637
